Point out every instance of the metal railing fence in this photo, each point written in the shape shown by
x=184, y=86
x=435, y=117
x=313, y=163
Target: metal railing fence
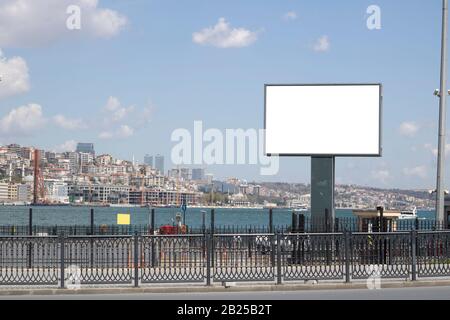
x=136, y=260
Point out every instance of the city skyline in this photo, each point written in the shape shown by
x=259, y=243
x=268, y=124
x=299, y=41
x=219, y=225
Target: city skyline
x=35, y=176
x=128, y=80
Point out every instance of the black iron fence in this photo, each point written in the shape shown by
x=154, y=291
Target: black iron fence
x=301, y=223
x=308, y=226
x=136, y=260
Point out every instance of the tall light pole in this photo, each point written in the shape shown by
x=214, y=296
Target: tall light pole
x=440, y=217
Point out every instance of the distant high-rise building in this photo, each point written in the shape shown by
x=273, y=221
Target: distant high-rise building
x=159, y=163
x=198, y=174
x=86, y=148
x=148, y=160
x=86, y=159
x=74, y=159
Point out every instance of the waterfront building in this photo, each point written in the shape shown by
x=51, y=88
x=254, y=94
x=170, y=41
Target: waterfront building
x=99, y=193
x=56, y=191
x=4, y=187
x=256, y=190
x=239, y=200
x=158, y=197
x=23, y=193
x=12, y=192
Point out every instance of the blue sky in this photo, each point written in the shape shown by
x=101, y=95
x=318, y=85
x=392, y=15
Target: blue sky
x=144, y=56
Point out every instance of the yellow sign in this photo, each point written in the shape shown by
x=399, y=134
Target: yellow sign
x=123, y=219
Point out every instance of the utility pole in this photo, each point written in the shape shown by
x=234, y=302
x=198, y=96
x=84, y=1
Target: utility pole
x=440, y=216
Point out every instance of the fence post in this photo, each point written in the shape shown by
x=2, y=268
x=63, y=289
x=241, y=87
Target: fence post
x=62, y=261
x=414, y=255
x=152, y=228
x=212, y=221
x=279, y=268
x=270, y=220
x=212, y=231
x=249, y=243
x=301, y=223
x=347, y=245
x=30, y=222
x=30, y=233
x=92, y=221
x=208, y=259
x=152, y=235
x=294, y=222
x=136, y=260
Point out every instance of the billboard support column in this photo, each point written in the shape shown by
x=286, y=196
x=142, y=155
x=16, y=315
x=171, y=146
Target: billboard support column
x=322, y=192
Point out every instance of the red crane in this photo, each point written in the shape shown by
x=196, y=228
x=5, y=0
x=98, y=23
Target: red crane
x=38, y=192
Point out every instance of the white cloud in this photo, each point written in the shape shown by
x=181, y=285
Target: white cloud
x=381, y=175
x=146, y=115
x=420, y=172
x=112, y=104
x=22, y=120
x=222, y=35
x=68, y=146
x=28, y=23
x=69, y=124
x=322, y=44
x=115, y=110
x=434, y=150
x=124, y=131
x=106, y=135
x=107, y=23
x=409, y=129
x=13, y=75
x=291, y=15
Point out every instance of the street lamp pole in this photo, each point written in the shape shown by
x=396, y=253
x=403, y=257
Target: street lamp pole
x=442, y=118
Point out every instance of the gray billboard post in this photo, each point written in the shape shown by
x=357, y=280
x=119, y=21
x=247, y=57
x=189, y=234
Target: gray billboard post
x=440, y=193
x=322, y=192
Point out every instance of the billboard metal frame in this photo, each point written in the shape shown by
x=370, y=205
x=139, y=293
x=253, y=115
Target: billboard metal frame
x=380, y=153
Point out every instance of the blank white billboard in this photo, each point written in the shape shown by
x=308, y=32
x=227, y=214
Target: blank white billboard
x=323, y=120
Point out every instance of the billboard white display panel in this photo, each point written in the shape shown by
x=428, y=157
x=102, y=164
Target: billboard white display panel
x=323, y=120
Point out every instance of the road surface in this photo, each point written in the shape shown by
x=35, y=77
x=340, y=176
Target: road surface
x=431, y=293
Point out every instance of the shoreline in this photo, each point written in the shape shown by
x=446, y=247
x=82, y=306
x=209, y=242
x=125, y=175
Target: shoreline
x=176, y=207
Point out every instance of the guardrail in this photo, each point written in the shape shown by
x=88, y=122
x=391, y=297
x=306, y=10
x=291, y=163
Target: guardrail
x=280, y=258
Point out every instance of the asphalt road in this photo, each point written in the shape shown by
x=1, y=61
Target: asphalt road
x=431, y=293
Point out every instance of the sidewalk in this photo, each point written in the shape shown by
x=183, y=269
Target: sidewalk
x=218, y=288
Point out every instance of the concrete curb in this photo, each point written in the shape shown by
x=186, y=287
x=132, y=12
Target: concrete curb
x=204, y=289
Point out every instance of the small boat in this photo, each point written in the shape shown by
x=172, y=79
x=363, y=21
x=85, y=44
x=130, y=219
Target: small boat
x=301, y=208
x=408, y=214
